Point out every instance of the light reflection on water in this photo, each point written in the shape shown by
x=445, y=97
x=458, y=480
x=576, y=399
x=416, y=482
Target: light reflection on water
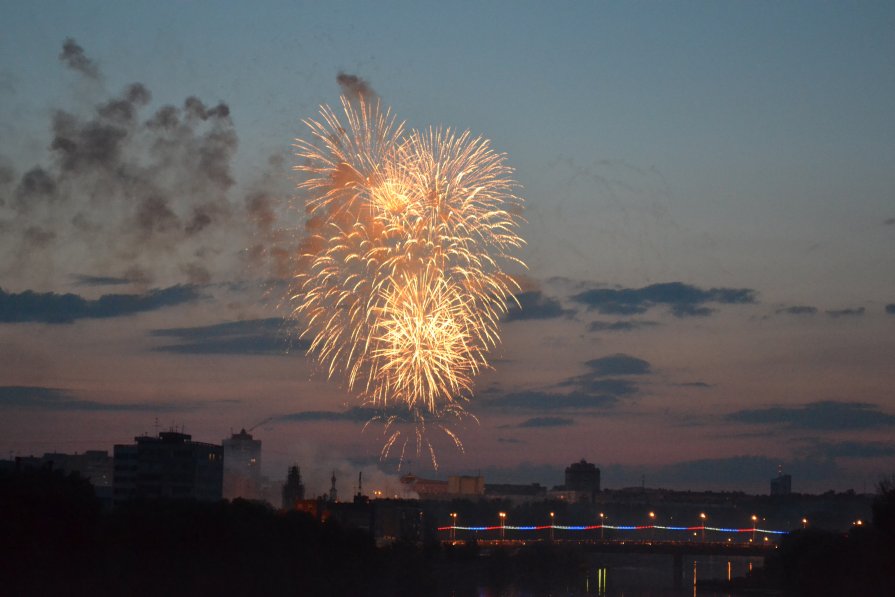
x=645, y=575
x=642, y=575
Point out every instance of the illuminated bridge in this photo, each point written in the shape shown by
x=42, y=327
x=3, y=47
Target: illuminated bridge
x=636, y=538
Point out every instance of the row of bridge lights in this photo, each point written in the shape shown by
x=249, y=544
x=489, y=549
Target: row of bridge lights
x=652, y=516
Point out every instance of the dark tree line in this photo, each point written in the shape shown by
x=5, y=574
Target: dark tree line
x=57, y=540
x=816, y=562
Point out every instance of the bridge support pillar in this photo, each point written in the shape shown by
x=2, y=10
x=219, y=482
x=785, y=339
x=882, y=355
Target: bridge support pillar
x=678, y=571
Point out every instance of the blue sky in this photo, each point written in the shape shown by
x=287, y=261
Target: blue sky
x=713, y=145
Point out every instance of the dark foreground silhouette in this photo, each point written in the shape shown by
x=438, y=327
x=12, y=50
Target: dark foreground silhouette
x=815, y=562
x=55, y=539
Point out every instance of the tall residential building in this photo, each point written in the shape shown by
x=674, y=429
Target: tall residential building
x=242, y=467
x=168, y=466
x=781, y=484
x=582, y=483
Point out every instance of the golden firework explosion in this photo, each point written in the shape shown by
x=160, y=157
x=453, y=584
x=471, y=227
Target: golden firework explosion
x=400, y=278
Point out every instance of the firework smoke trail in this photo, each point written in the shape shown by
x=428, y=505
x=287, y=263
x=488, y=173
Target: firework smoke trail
x=400, y=278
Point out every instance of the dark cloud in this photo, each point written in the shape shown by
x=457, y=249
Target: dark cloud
x=546, y=422
x=525, y=473
x=890, y=222
x=798, y=310
x=84, y=280
x=890, y=309
x=625, y=325
x=509, y=440
x=593, y=389
x=743, y=471
x=836, y=313
x=684, y=300
x=272, y=336
x=695, y=384
x=618, y=364
x=353, y=87
x=696, y=474
x=819, y=448
x=685, y=310
x=549, y=401
x=54, y=399
x=73, y=57
x=591, y=383
x=354, y=415
x=49, y=307
x=536, y=306
x=827, y=415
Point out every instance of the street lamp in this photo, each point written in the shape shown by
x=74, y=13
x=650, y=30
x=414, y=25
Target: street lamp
x=453, y=525
x=652, y=522
x=601, y=526
x=551, y=526
x=503, y=518
x=754, y=523
x=804, y=523
x=702, y=518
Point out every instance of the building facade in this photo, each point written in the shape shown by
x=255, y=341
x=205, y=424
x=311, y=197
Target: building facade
x=169, y=466
x=781, y=485
x=582, y=483
x=242, y=467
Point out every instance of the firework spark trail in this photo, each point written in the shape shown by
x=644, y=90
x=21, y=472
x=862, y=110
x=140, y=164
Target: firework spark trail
x=400, y=280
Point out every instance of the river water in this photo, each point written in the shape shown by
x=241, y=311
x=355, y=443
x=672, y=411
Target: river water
x=643, y=575
x=629, y=575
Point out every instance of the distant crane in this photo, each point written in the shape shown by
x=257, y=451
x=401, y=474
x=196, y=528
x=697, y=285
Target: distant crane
x=259, y=424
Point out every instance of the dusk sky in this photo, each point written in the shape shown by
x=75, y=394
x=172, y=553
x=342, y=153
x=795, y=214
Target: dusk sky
x=710, y=227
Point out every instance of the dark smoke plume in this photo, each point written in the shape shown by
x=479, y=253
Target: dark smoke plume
x=128, y=194
x=74, y=58
x=353, y=87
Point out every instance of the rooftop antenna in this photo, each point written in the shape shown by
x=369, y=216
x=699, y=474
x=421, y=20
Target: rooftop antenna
x=332, y=489
x=360, y=483
x=156, y=426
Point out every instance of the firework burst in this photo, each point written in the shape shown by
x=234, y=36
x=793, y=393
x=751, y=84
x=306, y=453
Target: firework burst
x=400, y=280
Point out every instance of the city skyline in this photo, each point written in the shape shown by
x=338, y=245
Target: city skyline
x=710, y=228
